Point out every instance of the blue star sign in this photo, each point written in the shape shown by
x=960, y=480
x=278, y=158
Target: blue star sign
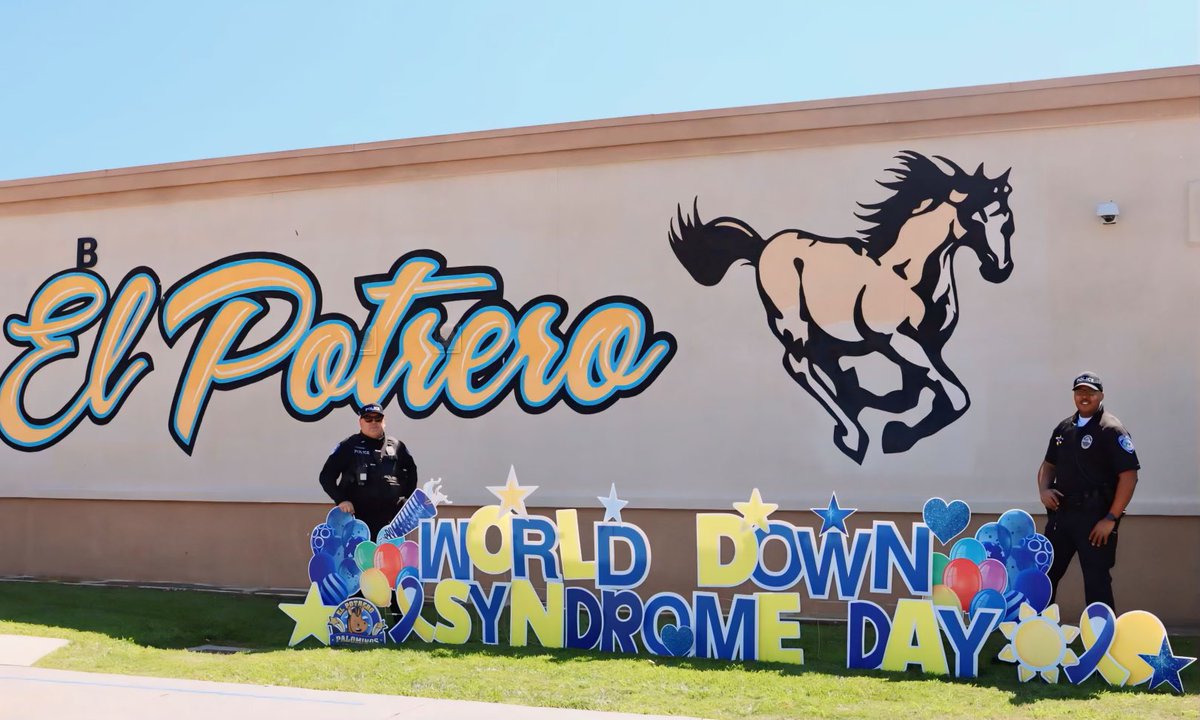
x=1166, y=666
x=612, y=504
x=833, y=517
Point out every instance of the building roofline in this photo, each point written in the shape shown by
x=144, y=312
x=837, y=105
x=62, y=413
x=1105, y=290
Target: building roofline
x=1112, y=97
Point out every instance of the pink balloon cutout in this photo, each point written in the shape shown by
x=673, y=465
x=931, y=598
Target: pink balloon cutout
x=410, y=554
x=993, y=575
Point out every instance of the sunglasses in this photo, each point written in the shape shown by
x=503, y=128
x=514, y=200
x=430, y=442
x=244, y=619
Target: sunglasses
x=373, y=418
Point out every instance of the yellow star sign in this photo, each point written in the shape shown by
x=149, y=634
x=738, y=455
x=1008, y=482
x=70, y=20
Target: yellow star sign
x=312, y=617
x=512, y=495
x=756, y=511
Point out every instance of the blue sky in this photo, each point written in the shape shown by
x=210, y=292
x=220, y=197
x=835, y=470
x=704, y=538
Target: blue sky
x=95, y=85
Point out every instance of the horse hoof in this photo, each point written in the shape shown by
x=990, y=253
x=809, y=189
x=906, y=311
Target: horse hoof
x=855, y=453
x=898, y=437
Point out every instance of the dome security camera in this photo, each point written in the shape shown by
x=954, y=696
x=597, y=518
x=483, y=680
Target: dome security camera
x=1108, y=212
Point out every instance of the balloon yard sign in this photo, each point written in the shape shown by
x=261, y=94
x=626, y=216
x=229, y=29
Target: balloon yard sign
x=993, y=582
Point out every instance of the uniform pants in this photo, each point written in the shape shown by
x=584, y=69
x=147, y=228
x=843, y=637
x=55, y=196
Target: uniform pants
x=1068, y=532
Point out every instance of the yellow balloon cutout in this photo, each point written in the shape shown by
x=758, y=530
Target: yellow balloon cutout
x=1137, y=632
x=945, y=597
x=375, y=588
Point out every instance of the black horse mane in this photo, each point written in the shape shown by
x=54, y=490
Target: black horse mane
x=916, y=180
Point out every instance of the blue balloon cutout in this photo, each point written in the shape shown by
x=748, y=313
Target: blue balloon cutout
x=337, y=519
x=1019, y=525
x=1018, y=561
x=333, y=589
x=1012, y=604
x=321, y=538
x=1035, y=586
x=969, y=548
x=946, y=520
x=1040, y=551
x=355, y=530
x=351, y=575
x=319, y=566
x=988, y=599
x=996, y=539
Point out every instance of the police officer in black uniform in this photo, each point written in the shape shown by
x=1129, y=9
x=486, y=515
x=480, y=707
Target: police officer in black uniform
x=1086, y=482
x=369, y=474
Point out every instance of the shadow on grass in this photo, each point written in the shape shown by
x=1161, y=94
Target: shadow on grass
x=173, y=620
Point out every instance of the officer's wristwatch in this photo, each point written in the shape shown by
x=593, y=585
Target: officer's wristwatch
x=1110, y=516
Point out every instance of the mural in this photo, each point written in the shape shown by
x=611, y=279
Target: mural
x=890, y=291
x=610, y=350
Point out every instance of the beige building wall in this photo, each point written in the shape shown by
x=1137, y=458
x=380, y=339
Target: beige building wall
x=582, y=211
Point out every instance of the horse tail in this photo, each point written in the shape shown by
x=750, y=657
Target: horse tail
x=708, y=249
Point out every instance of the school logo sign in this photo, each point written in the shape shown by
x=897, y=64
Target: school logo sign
x=889, y=291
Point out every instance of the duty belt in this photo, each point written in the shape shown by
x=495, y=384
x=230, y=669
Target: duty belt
x=1081, y=501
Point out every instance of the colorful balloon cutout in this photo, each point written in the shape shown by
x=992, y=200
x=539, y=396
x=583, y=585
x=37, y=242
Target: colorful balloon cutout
x=364, y=555
x=996, y=540
x=1137, y=632
x=338, y=520
x=993, y=576
x=1040, y=551
x=989, y=599
x=945, y=597
x=319, y=566
x=1019, y=525
x=1018, y=561
x=387, y=561
x=962, y=576
x=407, y=572
x=940, y=561
x=1035, y=586
x=355, y=530
x=410, y=554
x=968, y=549
x=1013, y=601
x=322, y=535
x=375, y=587
x=350, y=573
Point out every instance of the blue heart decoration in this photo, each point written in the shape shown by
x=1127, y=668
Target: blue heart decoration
x=399, y=632
x=678, y=640
x=946, y=521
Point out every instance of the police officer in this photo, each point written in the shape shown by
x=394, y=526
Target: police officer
x=369, y=474
x=1086, y=482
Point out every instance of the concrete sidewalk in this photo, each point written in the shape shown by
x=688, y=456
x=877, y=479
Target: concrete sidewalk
x=28, y=693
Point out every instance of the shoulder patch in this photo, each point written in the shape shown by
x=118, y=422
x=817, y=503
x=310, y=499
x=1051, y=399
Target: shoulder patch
x=1126, y=443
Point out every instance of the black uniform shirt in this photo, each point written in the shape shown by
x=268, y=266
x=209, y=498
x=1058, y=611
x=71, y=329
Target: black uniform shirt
x=372, y=473
x=1088, y=459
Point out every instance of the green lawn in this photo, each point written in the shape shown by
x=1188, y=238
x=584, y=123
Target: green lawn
x=144, y=632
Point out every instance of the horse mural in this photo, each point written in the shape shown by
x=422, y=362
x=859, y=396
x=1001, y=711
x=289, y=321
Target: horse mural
x=889, y=291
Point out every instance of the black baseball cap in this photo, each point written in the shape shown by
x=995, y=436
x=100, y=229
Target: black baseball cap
x=372, y=409
x=1088, y=379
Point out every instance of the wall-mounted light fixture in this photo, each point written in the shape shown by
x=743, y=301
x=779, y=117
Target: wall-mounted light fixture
x=1108, y=212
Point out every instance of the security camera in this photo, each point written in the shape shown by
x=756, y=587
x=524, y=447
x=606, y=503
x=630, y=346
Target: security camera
x=1108, y=212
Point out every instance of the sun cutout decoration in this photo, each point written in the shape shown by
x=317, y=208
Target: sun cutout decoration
x=1038, y=643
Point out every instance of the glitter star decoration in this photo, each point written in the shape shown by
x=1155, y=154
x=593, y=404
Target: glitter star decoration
x=512, y=494
x=612, y=504
x=755, y=511
x=833, y=517
x=311, y=616
x=1166, y=666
